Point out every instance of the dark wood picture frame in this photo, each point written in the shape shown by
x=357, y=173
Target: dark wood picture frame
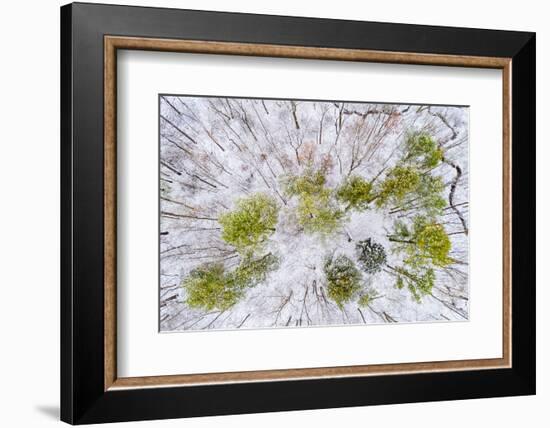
x=90, y=389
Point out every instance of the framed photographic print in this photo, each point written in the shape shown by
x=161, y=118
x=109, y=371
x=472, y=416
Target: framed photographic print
x=265, y=213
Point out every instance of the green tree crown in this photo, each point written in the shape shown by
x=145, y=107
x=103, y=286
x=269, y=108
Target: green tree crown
x=317, y=214
x=251, y=272
x=422, y=150
x=209, y=287
x=316, y=211
x=426, y=245
x=310, y=182
x=400, y=181
x=356, y=192
x=419, y=282
x=366, y=298
x=432, y=241
x=252, y=221
x=343, y=279
x=426, y=242
x=429, y=196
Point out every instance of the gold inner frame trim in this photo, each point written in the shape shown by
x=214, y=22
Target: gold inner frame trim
x=113, y=43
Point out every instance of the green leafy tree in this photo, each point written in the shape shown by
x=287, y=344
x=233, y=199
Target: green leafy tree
x=428, y=195
x=427, y=246
x=316, y=211
x=310, y=182
x=425, y=243
x=251, y=223
x=343, y=279
x=401, y=232
x=251, y=272
x=209, y=287
x=422, y=150
x=433, y=242
x=425, y=197
x=419, y=282
x=371, y=256
x=366, y=298
x=409, y=185
x=400, y=182
x=356, y=192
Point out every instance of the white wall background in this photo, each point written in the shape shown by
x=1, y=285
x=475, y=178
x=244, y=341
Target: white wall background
x=29, y=213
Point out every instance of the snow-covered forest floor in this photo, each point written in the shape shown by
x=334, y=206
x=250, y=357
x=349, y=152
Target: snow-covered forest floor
x=282, y=213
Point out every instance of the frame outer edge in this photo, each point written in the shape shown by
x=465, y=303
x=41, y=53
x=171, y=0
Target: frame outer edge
x=524, y=219
x=82, y=400
x=66, y=305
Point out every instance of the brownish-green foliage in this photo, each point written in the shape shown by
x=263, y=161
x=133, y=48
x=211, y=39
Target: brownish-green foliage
x=343, y=279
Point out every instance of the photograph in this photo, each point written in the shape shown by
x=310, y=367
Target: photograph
x=278, y=213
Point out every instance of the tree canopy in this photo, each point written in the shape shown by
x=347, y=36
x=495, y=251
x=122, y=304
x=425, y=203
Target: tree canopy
x=371, y=255
x=343, y=279
x=400, y=182
x=252, y=221
x=210, y=286
x=316, y=211
x=356, y=192
x=422, y=150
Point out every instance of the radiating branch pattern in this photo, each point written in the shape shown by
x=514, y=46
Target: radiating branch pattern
x=289, y=213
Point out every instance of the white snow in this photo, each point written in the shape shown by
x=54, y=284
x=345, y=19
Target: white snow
x=216, y=150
